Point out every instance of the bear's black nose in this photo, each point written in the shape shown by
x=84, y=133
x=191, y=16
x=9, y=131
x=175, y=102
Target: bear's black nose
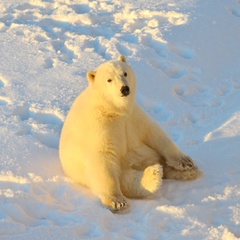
x=125, y=90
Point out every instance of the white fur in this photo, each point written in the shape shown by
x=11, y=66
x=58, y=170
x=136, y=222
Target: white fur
x=109, y=144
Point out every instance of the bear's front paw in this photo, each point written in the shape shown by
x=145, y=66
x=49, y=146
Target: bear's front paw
x=116, y=204
x=182, y=163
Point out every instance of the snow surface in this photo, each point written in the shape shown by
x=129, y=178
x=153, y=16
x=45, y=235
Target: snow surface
x=186, y=54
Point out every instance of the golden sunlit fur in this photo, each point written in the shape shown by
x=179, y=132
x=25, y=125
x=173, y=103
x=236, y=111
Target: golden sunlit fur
x=110, y=145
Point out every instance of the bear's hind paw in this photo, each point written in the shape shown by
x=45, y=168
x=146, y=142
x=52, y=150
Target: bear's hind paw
x=152, y=178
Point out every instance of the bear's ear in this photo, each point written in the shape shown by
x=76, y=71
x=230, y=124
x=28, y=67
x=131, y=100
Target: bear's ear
x=122, y=58
x=91, y=76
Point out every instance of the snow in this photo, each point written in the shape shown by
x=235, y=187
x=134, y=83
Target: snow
x=186, y=55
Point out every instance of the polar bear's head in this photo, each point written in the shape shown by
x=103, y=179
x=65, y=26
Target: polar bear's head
x=114, y=84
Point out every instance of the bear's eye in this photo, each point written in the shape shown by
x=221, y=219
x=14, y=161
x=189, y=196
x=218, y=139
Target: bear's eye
x=109, y=80
x=125, y=74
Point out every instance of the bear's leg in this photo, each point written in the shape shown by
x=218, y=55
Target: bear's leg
x=157, y=139
x=103, y=174
x=170, y=153
x=139, y=184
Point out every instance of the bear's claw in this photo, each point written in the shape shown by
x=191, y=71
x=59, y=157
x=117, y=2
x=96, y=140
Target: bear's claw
x=183, y=163
x=117, y=204
x=187, y=162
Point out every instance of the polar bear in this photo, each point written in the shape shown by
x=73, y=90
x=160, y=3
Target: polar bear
x=110, y=145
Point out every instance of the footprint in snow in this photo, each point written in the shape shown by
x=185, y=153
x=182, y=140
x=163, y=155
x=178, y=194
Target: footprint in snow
x=39, y=38
x=155, y=109
x=159, y=47
x=196, y=95
x=183, y=52
x=80, y=8
x=99, y=45
x=44, y=126
x=48, y=63
x=123, y=49
x=224, y=90
x=64, y=53
x=226, y=87
x=171, y=70
x=234, y=12
x=25, y=6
